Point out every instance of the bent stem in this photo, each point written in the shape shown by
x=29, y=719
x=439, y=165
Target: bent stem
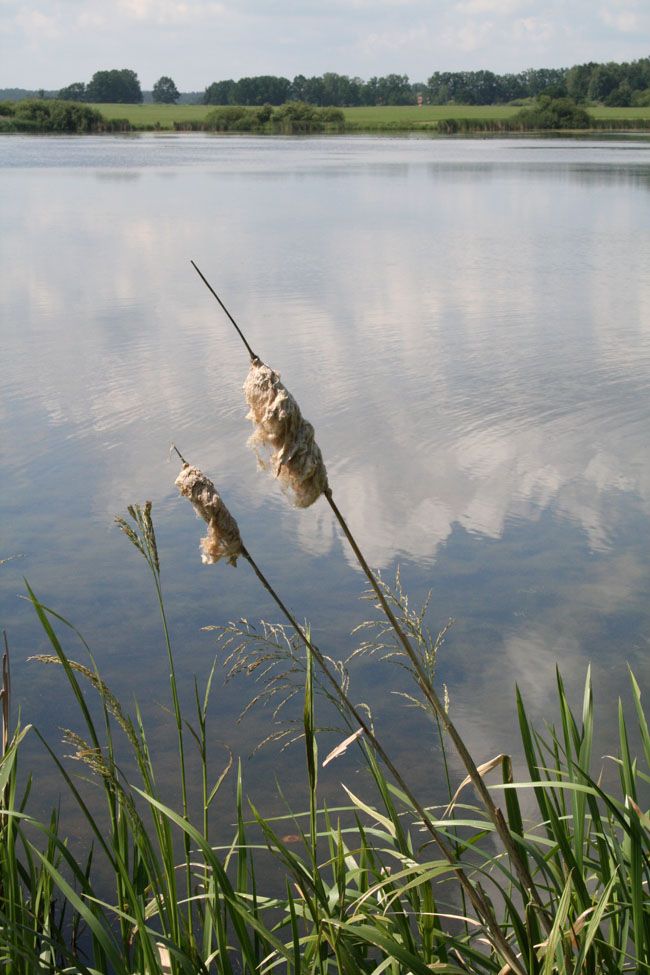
x=479, y=902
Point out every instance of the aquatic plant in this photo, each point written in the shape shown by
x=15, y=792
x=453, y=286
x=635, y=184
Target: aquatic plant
x=223, y=539
x=295, y=457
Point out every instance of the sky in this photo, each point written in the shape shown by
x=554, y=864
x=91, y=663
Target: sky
x=51, y=43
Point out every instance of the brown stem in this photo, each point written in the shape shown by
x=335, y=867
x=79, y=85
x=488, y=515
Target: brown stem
x=438, y=708
x=479, y=902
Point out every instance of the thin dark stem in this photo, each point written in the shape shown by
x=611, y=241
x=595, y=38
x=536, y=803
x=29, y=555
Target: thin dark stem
x=175, y=448
x=479, y=903
x=214, y=293
x=439, y=710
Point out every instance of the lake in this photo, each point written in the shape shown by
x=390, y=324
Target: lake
x=465, y=322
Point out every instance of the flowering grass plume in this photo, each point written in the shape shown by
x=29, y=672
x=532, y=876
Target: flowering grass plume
x=223, y=539
x=282, y=431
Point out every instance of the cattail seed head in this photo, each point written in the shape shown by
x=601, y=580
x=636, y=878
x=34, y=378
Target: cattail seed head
x=223, y=539
x=283, y=433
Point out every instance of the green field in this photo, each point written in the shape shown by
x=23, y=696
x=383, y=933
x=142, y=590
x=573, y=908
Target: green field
x=408, y=117
x=155, y=115
x=601, y=111
x=412, y=117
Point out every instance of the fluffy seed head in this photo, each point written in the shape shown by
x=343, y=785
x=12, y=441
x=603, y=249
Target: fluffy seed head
x=284, y=435
x=223, y=539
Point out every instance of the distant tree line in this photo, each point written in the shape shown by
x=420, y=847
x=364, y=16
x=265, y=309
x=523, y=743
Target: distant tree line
x=330, y=89
x=612, y=83
x=488, y=88
x=119, y=85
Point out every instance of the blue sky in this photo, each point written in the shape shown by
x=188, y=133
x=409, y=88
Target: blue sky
x=50, y=43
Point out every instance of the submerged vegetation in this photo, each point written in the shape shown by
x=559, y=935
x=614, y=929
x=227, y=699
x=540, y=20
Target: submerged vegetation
x=544, y=875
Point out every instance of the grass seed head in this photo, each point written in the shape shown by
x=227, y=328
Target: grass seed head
x=223, y=539
x=284, y=435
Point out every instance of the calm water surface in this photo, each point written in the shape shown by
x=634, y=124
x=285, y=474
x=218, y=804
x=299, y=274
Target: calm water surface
x=467, y=325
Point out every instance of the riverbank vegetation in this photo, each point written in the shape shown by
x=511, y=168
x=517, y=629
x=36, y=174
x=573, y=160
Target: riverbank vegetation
x=584, y=97
x=541, y=875
x=383, y=881
x=41, y=116
x=295, y=117
x=291, y=118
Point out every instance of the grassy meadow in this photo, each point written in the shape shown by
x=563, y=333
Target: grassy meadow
x=368, y=119
x=148, y=116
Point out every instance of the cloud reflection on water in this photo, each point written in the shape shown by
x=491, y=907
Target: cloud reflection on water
x=472, y=345
x=451, y=370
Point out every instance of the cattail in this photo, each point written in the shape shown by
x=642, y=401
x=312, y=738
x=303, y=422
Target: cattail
x=281, y=430
x=223, y=539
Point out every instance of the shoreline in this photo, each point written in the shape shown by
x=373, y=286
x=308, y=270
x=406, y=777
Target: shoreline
x=586, y=135
x=439, y=121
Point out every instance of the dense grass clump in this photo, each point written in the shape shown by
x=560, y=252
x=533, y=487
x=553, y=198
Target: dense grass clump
x=363, y=886
x=48, y=115
x=52, y=116
x=546, y=114
x=552, y=113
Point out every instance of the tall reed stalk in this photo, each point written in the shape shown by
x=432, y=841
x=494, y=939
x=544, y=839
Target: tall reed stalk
x=425, y=685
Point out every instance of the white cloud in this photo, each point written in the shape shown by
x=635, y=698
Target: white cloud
x=415, y=37
x=620, y=17
x=375, y=4
x=472, y=36
x=38, y=25
x=91, y=19
x=164, y=12
x=499, y=7
x=533, y=29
